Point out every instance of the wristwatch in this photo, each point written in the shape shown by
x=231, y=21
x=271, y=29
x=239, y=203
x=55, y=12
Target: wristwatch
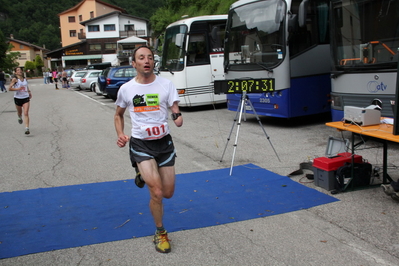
x=174, y=116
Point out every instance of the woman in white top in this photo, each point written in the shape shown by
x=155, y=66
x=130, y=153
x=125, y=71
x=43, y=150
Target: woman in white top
x=22, y=96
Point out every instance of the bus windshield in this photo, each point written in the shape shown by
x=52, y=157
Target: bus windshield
x=255, y=39
x=174, y=51
x=365, y=34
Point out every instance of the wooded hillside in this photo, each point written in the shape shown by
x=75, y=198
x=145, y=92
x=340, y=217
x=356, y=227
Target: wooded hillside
x=37, y=21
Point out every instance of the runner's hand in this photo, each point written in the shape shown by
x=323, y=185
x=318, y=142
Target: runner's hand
x=122, y=140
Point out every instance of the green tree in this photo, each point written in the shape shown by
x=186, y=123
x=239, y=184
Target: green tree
x=37, y=22
x=39, y=64
x=10, y=62
x=49, y=37
x=175, y=9
x=3, y=49
x=139, y=8
x=29, y=68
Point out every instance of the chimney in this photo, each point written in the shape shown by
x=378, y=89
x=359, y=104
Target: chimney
x=12, y=36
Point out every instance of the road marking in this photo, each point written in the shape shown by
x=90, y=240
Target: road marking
x=84, y=95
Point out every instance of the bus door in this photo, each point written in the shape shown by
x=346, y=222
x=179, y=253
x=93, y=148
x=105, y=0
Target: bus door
x=216, y=43
x=198, y=70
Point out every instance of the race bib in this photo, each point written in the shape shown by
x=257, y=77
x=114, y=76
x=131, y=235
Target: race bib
x=154, y=132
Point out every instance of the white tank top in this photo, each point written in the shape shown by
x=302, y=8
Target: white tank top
x=22, y=94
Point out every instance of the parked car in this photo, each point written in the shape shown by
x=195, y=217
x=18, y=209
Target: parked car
x=88, y=81
x=101, y=81
x=8, y=78
x=74, y=81
x=115, y=78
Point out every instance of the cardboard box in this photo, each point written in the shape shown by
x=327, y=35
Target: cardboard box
x=324, y=169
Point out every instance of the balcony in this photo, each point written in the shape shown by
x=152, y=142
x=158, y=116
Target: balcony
x=82, y=36
x=130, y=33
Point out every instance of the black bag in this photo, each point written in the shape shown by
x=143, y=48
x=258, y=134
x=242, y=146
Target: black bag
x=361, y=171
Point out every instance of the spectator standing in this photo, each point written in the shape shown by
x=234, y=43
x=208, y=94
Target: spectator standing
x=50, y=76
x=2, y=81
x=45, y=77
x=55, y=78
x=64, y=77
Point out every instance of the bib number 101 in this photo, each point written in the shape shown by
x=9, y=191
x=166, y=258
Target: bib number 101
x=154, y=132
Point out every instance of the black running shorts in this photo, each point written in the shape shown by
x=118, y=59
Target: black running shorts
x=20, y=102
x=161, y=150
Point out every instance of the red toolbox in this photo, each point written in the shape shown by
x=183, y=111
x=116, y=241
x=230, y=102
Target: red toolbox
x=325, y=168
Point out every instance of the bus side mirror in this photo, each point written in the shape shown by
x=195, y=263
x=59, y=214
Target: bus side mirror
x=302, y=13
x=179, y=40
x=279, y=13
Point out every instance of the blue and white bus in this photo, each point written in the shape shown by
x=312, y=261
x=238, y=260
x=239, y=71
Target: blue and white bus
x=192, y=57
x=283, y=42
x=364, y=49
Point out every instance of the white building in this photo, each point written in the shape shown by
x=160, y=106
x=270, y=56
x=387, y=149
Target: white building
x=99, y=41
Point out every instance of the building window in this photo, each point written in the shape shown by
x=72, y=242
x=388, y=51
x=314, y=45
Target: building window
x=109, y=27
x=129, y=27
x=71, y=19
x=22, y=56
x=72, y=33
x=80, y=18
x=21, y=46
x=95, y=47
x=110, y=46
x=91, y=14
x=94, y=28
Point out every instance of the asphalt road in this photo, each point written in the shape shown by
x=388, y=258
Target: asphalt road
x=73, y=141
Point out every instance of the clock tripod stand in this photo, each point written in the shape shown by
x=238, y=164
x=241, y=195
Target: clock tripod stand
x=239, y=113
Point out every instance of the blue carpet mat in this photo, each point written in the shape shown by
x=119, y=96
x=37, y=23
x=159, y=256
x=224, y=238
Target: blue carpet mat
x=48, y=219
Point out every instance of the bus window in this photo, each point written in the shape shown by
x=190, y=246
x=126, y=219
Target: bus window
x=322, y=14
x=314, y=32
x=255, y=37
x=216, y=38
x=197, y=52
x=173, y=58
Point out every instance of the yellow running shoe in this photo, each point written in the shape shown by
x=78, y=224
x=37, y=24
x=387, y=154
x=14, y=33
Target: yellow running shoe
x=138, y=180
x=161, y=242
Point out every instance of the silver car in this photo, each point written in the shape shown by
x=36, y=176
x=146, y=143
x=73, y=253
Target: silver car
x=8, y=78
x=74, y=81
x=88, y=81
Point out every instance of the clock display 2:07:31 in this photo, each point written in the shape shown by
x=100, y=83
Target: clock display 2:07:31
x=250, y=85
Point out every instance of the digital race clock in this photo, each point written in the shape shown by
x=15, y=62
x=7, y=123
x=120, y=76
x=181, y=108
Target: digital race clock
x=244, y=85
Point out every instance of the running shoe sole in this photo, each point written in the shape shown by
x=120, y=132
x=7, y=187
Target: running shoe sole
x=139, y=181
x=388, y=189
